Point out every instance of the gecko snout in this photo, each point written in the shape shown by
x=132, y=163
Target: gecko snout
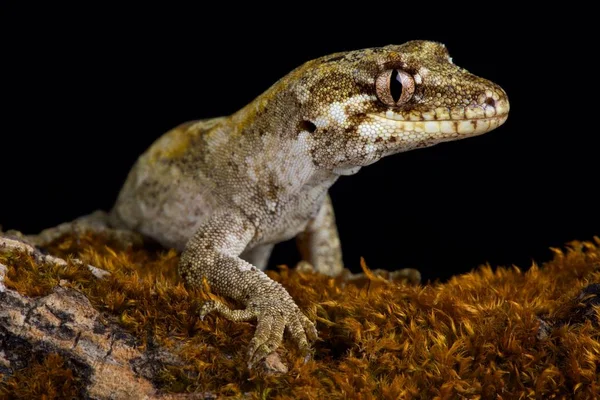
x=494, y=102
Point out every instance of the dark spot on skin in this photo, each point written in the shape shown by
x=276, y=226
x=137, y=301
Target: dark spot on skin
x=490, y=102
x=364, y=87
x=207, y=246
x=378, y=139
x=393, y=139
x=307, y=126
x=313, y=154
x=233, y=165
x=361, y=116
x=272, y=188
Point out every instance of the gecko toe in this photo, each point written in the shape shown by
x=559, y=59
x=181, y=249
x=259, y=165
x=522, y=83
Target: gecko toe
x=309, y=327
x=274, y=319
x=207, y=308
x=299, y=335
x=256, y=348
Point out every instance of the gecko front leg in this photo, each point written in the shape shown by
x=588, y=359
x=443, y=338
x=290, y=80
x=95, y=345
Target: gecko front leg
x=214, y=253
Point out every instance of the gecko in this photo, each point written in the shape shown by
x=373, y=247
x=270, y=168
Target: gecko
x=224, y=191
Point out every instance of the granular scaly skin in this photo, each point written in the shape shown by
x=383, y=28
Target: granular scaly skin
x=225, y=190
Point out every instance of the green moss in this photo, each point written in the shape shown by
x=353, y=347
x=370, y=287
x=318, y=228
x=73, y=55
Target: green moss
x=475, y=335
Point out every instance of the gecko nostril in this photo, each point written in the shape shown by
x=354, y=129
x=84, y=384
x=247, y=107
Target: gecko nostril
x=490, y=102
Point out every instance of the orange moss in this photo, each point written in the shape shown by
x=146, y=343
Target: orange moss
x=475, y=336
x=45, y=379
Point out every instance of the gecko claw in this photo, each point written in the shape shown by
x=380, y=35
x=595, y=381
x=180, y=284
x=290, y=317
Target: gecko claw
x=206, y=308
x=308, y=357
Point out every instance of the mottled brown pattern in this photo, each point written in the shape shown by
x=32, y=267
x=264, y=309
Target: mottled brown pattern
x=232, y=186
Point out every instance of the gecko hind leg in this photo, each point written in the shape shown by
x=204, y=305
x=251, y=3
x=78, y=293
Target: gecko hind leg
x=98, y=222
x=319, y=244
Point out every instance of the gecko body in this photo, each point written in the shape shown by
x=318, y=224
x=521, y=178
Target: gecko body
x=223, y=191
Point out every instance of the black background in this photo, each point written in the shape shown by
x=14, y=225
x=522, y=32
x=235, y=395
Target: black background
x=85, y=91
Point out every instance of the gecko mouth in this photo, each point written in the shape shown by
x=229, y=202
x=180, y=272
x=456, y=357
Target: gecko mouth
x=447, y=123
x=445, y=127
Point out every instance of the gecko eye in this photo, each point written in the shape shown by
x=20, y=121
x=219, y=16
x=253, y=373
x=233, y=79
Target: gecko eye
x=394, y=87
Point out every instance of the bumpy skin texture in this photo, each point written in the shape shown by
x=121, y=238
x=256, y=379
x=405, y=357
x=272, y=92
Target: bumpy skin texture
x=225, y=190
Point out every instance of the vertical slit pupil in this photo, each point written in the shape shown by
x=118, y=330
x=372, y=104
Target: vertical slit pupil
x=395, y=86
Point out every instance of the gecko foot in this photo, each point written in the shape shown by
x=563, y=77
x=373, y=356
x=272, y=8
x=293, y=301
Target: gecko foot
x=274, y=315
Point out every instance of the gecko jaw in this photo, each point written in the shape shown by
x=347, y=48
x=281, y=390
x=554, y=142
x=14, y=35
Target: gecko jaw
x=439, y=128
x=443, y=123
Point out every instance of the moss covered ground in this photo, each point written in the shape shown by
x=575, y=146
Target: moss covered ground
x=492, y=333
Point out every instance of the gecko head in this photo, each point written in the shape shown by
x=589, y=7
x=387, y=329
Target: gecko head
x=360, y=106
